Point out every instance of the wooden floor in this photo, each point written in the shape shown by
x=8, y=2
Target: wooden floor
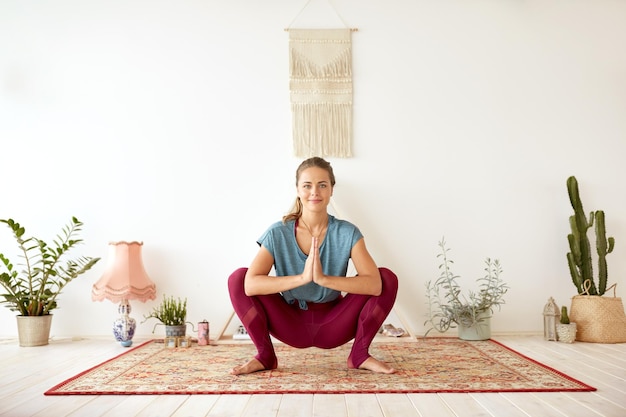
x=25, y=373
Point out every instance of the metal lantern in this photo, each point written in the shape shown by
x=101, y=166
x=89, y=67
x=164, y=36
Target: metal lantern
x=551, y=314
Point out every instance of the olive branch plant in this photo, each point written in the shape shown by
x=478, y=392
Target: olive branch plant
x=448, y=307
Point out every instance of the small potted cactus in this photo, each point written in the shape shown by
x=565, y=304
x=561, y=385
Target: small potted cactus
x=565, y=330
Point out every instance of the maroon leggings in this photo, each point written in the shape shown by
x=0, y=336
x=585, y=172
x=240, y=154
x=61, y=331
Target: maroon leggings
x=323, y=325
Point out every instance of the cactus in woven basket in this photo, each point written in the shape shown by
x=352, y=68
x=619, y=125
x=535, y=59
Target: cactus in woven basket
x=579, y=257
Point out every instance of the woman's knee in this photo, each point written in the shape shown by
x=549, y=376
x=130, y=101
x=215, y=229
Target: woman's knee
x=390, y=280
x=236, y=280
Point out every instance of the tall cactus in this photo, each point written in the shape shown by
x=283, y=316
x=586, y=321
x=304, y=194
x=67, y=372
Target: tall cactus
x=604, y=246
x=579, y=257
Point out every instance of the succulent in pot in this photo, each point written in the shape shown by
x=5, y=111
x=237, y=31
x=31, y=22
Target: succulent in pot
x=565, y=330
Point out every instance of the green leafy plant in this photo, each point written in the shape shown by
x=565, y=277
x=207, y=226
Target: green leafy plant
x=579, y=257
x=448, y=307
x=171, y=312
x=32, y=286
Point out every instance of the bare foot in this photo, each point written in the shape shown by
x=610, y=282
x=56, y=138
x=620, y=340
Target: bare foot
x=253, y=365
x=374, y=365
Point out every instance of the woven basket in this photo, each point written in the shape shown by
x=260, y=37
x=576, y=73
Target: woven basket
x=599, y=319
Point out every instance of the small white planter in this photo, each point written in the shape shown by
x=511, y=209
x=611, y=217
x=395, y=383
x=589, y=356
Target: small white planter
x=479, y=331
x=566, y=332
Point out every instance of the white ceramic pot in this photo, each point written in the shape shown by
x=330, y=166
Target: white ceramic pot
x=481, y=330
x=566, y=332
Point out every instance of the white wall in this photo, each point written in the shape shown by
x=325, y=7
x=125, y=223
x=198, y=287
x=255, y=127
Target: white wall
x=169, y=122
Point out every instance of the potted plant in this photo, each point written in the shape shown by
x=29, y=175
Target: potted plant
x=33, y=285
x=172, y=313
x=449, y=308
x=565, y=330
x=599, y=319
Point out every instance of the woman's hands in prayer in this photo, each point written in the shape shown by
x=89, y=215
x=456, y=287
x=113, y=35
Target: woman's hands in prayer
x=313, y=266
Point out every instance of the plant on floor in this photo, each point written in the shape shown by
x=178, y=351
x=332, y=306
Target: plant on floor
x=579, y=257
x=599, y=319
x=171, y=312
x=33, y=285
x=565, y=330
x=449, y=308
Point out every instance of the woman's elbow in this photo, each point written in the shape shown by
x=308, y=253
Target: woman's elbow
x=378, y=285
x=248, y=289
x=377, y=289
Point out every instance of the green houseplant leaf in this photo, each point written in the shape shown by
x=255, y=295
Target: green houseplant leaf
x=32, y=286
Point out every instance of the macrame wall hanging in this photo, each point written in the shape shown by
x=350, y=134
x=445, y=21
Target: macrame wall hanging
x=320, y=84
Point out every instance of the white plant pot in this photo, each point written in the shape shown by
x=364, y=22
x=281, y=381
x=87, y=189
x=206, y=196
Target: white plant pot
x=566, y=332
x=479, y=331
x=34, y=330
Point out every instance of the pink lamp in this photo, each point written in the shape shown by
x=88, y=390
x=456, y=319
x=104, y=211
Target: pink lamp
x=124, y=279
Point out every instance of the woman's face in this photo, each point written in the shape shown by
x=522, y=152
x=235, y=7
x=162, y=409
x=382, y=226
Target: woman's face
x=314, y=188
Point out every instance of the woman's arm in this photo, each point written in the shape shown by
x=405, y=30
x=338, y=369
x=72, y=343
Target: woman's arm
x=258, y=282
x=367, y=282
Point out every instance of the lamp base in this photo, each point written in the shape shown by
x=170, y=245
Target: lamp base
x=124, y=326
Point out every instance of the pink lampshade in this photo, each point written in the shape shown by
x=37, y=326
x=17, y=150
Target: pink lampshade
x=125, y=277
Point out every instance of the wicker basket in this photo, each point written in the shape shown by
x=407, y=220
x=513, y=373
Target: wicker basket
x=599, y=319
x=34, y=330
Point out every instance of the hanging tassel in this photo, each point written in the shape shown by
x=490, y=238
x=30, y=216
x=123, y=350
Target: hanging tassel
x=322, y=129
x=321, y=92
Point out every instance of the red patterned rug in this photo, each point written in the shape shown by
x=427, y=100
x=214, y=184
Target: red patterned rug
x=424, y=365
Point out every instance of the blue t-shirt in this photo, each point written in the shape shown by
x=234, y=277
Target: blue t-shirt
x=280, y=240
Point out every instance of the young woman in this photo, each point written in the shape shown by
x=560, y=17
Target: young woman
x=304, y=304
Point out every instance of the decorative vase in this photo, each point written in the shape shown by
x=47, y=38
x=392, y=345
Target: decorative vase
x=124, y=326
x=481, y=330
x=34, y=330
x=566, y=332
